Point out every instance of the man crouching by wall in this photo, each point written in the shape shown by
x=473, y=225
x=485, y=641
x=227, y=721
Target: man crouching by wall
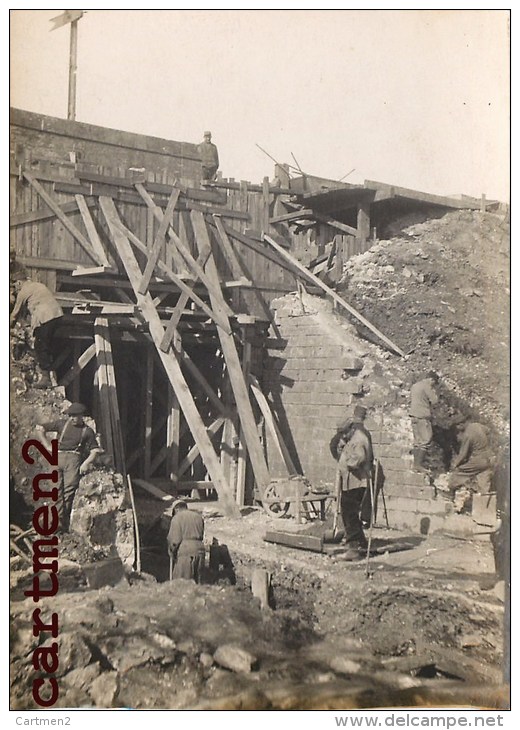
x=185, y=542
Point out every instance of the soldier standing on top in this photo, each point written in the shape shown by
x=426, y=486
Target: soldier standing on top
x=209, y=156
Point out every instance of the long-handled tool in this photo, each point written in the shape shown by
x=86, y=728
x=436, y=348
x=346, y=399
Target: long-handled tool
x=371, y=485
x=335, y=534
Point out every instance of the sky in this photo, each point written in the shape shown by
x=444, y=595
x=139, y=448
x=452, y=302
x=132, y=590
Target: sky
x=416, y=98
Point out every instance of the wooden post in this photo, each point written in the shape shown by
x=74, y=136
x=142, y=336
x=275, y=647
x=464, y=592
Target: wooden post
x=73, y=69
x=483, y=203
x=174, y=420
x=169, y=360
x=240, y=389
x=76, y=382
x=363, y=220
x=148, y=412
x=265, y=202
x=242, y=451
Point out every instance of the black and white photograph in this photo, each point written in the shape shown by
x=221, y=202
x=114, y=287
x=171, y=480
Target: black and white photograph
x=259, y=365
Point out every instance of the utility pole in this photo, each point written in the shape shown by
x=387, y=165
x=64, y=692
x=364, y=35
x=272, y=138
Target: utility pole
x=72, y=17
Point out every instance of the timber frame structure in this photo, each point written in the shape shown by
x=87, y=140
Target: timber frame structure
x=166, y=287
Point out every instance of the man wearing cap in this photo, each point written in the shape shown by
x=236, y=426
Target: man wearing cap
x=185, y=542
x=355, y=460
x=77, y=449
x=474, y=459
x=46, y=315
x=209, y=156
x=422, y=397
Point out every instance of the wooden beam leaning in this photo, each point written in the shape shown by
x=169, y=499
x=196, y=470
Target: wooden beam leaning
x=91, y=229
x=53, y=205
x=43, y=214
x=272, y=425
x=199, y=377
x=192, y=454
x=236, y=267
x=179, y=243
x=309, y=275
x=218, y=319
x=101, y=326
x=238, y=384
x=169, y=361
x=78, y=366
x=158, y=241
x=102, y=383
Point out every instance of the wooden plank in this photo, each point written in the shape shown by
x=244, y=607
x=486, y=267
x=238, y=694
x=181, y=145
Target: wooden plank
x=265, y=204
x=102, y=383
x=258, y=248
x=173, y=423
x=272, y=425
x=194, y=452
x=334, y=295
x=335, y=224
x=170, y=364
x=71, y=228
x=44, y=214
x=235, y=266
x=179, y=244
x=153, y=490
x=201, y=380
x=295, y=215
x=78, y=366
x=363, y=220
x=91, y=229
x=159, y=241
x=238, y=383
x=294, y=540
x=171, y=275
x=148, y=412
x=177, y=312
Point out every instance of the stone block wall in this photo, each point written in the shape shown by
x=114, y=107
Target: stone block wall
x=317, y=369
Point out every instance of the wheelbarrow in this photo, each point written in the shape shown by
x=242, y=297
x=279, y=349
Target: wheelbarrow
x=281, y=493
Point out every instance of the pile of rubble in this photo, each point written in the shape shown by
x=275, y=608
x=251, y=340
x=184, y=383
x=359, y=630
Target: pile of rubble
x=440, y=291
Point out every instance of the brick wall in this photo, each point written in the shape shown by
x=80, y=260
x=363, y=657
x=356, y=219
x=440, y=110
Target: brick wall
x=316, y=371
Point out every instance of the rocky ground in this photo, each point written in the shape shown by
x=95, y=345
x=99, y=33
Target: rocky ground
x=420, y=624
x=440, y=290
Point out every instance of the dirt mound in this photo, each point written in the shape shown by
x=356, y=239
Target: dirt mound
x=441, y=292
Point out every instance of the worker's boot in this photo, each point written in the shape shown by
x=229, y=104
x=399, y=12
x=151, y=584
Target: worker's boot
x=419, y=456
x=45, y=381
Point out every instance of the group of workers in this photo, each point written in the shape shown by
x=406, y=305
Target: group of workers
x=351, y=447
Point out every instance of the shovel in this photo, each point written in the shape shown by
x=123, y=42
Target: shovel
x=335, y=535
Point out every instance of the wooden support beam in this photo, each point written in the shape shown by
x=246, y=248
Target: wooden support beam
x=148, y=412
x=335, y=224
x=294, y=540
x=46, y=213
x=194, y=452
x=78, y=366
x=201, y=380
x=102, y=332
x=153, y=490
x=91, y=229
x=169, y=361
x=178, y=311
x=272, y=426
x=334, y=295
x=54, y=206
x=265, y=204
x=235, y=265
x=238, y=384
x=102, y=384
x=179, y=244
x=171, y=275
x=159, y=241
x=295, y=215
x=173, y=430
x=242, y=443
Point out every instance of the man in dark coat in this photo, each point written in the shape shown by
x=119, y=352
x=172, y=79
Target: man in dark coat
x=185, y=542
x=354, y=454
x=77, y=449
x=209, y=156
x=474, y=460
